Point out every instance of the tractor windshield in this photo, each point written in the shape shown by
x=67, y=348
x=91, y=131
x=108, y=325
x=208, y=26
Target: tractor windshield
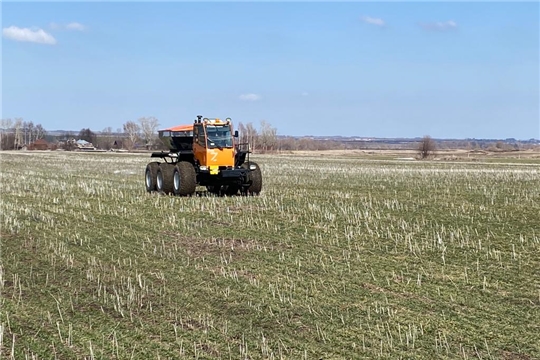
x=219, y=136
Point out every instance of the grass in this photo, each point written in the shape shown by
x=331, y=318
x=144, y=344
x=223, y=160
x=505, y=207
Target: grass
x=337, y=259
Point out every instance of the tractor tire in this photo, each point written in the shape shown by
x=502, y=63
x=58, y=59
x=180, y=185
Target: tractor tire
x=184, y=179
x=150, y=176
x=254, y=178
x=164, y=178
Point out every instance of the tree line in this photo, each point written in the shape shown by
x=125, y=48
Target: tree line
x=143, y=134
x=17, y=132
x=134, y=134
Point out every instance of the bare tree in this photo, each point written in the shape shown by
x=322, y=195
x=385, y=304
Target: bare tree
x=241, y=132
x=32, y=132
x=242, y=135
x=268, y=137
x=39, y=132
x=28, y=131
x=149, y=127
x=132, y=129
x=289, y=143
x=5, y=124
x=252, y=136
x=18, y=141
x=426, y=147
x=7, y=141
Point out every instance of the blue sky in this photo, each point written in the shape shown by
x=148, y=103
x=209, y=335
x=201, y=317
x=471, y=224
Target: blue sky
x=449, y=70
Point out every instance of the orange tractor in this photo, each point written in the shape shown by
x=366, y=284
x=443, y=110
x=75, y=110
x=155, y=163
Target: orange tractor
x=205, y=153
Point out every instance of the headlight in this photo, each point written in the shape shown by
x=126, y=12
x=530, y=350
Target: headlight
x=203, y=168
x=252, y=167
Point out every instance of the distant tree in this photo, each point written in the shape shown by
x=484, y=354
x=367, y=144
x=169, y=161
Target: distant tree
x=426, y=147
x=268, y=137
x=288, y=144
x=28, y=131
x=149, y=127
x=242, y=136
x=306, y=143
x=252, y=136
x=18, y=141
x=87, y=135
x=5, y=125
x=7, y=141
x=39, y=132
x=104, y=140
x=473, y=145
x=132, y=129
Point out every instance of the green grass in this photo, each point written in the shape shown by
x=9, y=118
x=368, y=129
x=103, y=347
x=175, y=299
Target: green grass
x=337, y=259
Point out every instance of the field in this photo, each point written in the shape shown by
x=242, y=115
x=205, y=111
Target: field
x=339, y=258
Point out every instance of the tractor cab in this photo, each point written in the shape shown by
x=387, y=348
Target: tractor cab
x=213, y=144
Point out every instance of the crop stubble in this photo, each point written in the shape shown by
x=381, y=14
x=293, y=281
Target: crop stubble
x=338, y=258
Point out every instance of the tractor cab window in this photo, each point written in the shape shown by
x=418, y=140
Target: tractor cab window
x=219, y=136
x=198, y=134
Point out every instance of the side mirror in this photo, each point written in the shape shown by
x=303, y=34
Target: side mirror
x=235, y=133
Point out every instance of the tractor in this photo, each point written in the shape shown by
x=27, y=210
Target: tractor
x=205, y=153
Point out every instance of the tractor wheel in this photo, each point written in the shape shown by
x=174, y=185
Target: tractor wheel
x=254, y=178
x=164, y=178
x=150, y=176
x=184, y=179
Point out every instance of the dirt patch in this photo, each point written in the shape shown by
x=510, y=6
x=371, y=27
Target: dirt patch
x=208, y=349
x=192, y=324
x=199, y=247
x=508, y=355
x=241, y=209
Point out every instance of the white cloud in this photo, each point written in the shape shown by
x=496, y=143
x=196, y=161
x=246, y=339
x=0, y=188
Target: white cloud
x=28, y=35
x=373, y=21
x=75, y=26
x=439, y=26
x=250, y=97
x=71, y=26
